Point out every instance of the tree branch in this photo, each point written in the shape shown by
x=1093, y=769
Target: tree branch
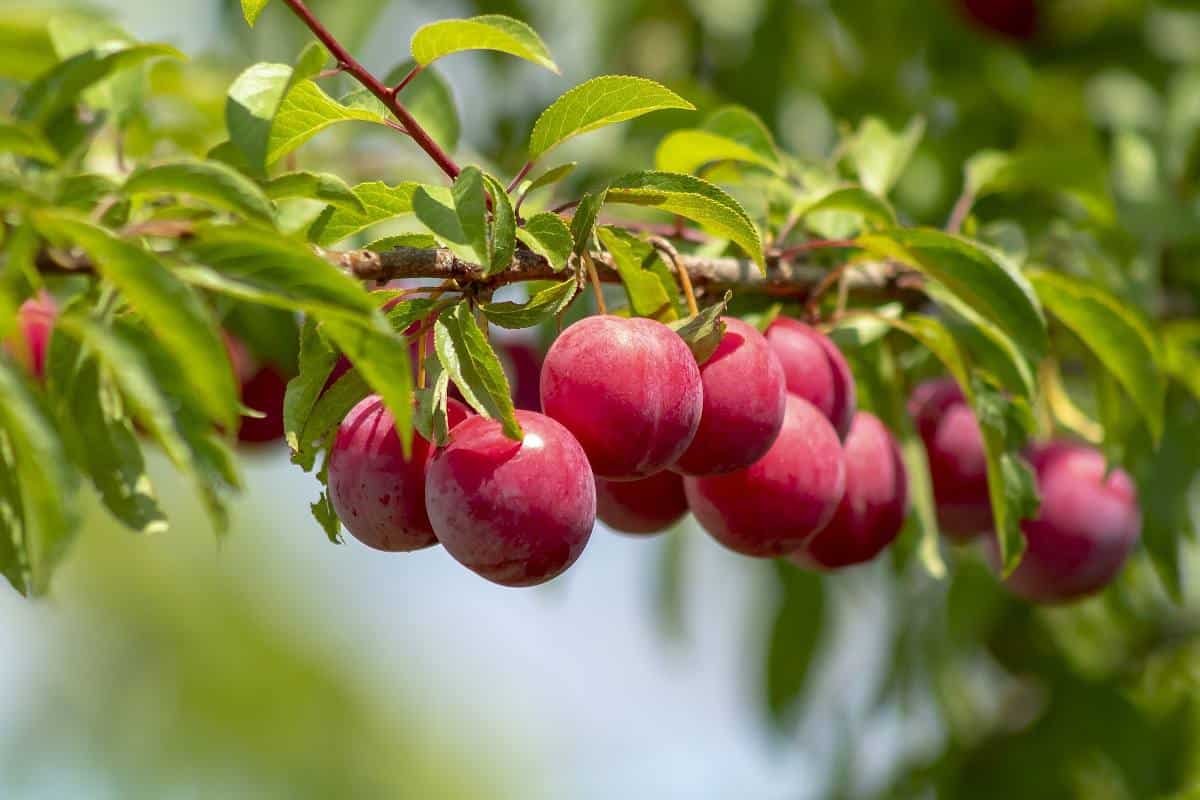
x=384, y=94
x=784, y=278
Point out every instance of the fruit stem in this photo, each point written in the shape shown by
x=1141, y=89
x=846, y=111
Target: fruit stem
x=685, y=280
x=375, y=87
x=421, y=361
x=813, y=306
x=594, y=277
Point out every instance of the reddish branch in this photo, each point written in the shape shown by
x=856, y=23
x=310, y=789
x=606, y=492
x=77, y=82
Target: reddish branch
x=387, y=96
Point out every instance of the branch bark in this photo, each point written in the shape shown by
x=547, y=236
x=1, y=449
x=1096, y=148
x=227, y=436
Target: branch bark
x=784, y=277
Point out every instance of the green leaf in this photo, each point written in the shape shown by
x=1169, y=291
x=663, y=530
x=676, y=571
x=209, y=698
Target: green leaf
x=326, y=414
x=315, y=364
x=485, y=32
x=432, y=420
x=122, y=94
x=435, y=209
x=381, y=358
x=1116, y=335
x=793, y=638
x=251, y=9
x=502, y=234
x=173, y=312
x=307, y=110
x=551, y=176
x=322, y=186
x=1005, y=424
x=549, y=236
x=46, y=484
x=209, y=181
x=731, y=133
x=278, y=271
x=25, y=140
x=470, y=206
x=544, y=305
x=89, y=405
x=422, y=241
x=472, y=364
x=59, y=89
x=1181, y=353
x=983, y=281
x=599, y=102
x=1077, y=172
x=583, y=224
x=879, y=155
x=382, y=203
x=695, y=199
x=704, y=331
x=25, y=48
x=648, y=297
x=254, y=100
x=1165, y=477
x=876, y=211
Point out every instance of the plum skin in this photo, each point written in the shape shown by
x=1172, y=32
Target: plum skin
x=957, y=458
x=36, y=319
x=645, y=506
x=378, y=494
x=744, y=401
x=815, y=370
x=874, y=505
x=628, y=390
x=1086, y=528
x=262, y=387
x=516, y=513
x=775, y=505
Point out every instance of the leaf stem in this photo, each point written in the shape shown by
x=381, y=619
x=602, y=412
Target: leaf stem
x=372, y=84
x=412, y=73
x=516, y=181
x=958, y=215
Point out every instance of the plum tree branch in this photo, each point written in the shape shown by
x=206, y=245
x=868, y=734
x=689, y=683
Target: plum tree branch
x=783, y=277
x=384, y=94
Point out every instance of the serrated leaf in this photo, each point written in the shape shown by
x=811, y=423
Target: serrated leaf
x=648, y=297
x=89, y=405
x=470, y=207
x=251, y=9
x=583, y=224
x=381, y=358
x=278, y=271
x=381, y=203
x=209, y=181
x=792, y=640
x=485, y=32
x=703, y=332
x=122, y=93
x=60, y=87
x=314, y=367
x=695, y=199
x=331, y=407
x=876, y=211
x=322, y=186
x=879, y=155
x=594, y=104
x=983, y=281
x=46, y=484
x=25, y=140
x=549, y=236
x=1121, y=340
x=421, y=241
x=432, y=420
x=469, y=359
x=551, y=176
x=544, y=305
x=731, y=133
x=502, y=233
x=172, y=311
x=255, y=97
x=305, y=111
x=434, y=207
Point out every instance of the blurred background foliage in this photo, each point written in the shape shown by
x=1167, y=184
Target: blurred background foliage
x=167, y=673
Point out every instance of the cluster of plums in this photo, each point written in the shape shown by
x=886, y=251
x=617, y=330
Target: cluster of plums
x=762, y=443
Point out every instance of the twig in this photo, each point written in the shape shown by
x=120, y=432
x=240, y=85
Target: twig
x=815, y=244
x=372, y=84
